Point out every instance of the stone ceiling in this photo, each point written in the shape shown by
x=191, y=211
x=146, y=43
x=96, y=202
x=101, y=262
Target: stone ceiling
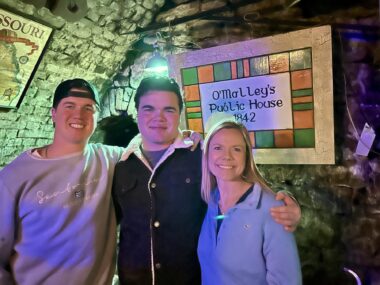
x=198, y=19
x=110, y=43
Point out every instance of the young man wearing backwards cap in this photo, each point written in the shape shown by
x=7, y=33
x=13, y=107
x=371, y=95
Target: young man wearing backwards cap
x=57, y=221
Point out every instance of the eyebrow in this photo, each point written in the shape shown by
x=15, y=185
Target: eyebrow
x=68, y=103
x=147, y=106
x=152, y=107
x=170, y=108
x=221, y=143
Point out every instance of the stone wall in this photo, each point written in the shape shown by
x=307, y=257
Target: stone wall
x=93, y=48
x=340, y=226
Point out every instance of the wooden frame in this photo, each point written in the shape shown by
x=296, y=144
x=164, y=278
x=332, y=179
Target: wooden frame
x=290, y=73
x=22, y=44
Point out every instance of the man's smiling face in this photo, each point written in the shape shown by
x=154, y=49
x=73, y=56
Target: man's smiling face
x=158, y=119
x=74, y=119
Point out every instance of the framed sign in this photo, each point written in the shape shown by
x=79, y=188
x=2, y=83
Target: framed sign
x=22, y=43
x=279, y=87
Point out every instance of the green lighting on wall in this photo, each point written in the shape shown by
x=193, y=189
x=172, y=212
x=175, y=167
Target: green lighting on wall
x=157, y=64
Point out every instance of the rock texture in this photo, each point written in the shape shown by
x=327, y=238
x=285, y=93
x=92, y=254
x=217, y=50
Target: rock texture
x=340, y=226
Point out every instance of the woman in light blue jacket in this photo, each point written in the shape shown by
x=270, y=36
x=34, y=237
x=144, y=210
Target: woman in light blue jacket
x=240, y=243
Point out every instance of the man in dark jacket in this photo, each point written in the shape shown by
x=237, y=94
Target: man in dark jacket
x=157, y=194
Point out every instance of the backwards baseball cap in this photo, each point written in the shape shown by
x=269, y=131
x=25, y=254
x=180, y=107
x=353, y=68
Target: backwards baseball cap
x=75, y=88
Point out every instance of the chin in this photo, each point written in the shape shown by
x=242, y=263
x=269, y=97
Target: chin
x=162, y=143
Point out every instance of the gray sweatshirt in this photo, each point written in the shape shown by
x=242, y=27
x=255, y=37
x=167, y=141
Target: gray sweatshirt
x=57, y=221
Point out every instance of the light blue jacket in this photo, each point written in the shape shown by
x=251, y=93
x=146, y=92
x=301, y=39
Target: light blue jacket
x=250, y=248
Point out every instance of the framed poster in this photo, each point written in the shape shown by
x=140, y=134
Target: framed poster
x=279, y=87
x=22, y=43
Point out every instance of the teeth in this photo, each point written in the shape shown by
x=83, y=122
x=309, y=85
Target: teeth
x=77, y=126
x=225, y=167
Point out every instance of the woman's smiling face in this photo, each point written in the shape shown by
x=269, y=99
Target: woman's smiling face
x=227, y=155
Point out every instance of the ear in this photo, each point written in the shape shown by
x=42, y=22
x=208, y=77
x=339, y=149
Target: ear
x=96, y=117
x=53, y=113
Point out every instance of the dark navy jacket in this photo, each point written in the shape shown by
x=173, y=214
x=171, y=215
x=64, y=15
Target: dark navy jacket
x=160, y=213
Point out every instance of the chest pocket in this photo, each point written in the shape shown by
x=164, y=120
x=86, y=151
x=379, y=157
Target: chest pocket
x=128, y=185
x=185, y=176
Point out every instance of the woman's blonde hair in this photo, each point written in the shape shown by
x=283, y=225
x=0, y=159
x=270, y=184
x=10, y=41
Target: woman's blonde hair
x=250, y=173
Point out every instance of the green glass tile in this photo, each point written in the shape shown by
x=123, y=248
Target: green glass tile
x=302, y=92
x=259, y=65
x=304, y=138
x=194, y=115
x=189, y=76
x=240, y=68
x=302, y=106
x=300, y=59
x=193, y=104
x=264, y=139
x=222, y=71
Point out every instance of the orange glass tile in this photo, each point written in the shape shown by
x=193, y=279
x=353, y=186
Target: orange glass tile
x=191, y=93
x=193, y=109
x=205, y=74
x=252, y=137
x=279, y=62
x=305, y=99
x=283, y=138
x=246, y=67
x=303, y=119
x=196, y=125
x=301, y=79
x=233, y=70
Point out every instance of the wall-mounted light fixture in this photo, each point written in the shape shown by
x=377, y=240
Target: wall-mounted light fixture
x=157, y=64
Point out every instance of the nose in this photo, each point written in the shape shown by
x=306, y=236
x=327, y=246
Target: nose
x=227, y=155
x=79, y=112
x=159, y=115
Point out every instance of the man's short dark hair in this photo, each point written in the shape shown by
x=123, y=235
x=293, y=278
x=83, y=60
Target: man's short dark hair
x=64, y=90
x=158, y=83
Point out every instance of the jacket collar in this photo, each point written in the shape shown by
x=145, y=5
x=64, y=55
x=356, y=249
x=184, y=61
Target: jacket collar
x=251, y=202
x=136, y=142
